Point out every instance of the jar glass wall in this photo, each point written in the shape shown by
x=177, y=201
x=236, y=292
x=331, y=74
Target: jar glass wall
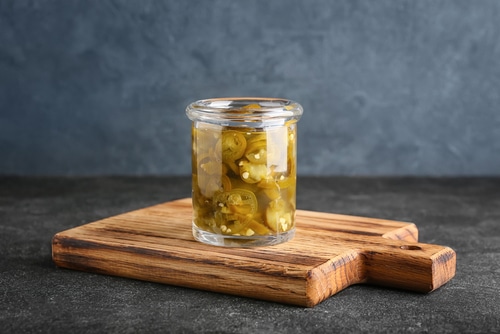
x=244, y=168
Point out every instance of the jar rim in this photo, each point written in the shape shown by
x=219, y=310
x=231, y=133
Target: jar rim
x=247, y=109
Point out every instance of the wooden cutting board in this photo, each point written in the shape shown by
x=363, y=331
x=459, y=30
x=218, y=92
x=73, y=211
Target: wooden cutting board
x=329, y=253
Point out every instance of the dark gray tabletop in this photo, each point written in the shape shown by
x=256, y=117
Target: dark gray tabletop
x=36, y=296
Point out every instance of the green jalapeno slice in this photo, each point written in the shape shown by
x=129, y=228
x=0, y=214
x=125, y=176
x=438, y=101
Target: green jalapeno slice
x=232, y=145
x=240, y=201
x=252, y=173
x=277, y=217
x=257, y=152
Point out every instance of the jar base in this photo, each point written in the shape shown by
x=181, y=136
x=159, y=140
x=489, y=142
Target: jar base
x=240, y=241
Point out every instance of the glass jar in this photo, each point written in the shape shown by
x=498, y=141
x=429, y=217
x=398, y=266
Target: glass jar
x=244, y=167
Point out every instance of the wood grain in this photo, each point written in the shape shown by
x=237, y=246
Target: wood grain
x=329, y=253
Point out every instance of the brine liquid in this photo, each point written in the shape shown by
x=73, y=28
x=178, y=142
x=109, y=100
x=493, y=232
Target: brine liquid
x=244, y=180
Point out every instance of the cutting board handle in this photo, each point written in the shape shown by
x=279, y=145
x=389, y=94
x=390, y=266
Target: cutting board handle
x=407, y=265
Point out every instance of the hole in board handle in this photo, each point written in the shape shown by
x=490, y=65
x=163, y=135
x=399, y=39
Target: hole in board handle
x=410, y=247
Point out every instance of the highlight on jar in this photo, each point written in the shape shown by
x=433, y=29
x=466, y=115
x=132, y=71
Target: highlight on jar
x=244, y=169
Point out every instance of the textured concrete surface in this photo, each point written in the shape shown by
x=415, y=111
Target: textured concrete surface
x=389, y=87
x=38, y=297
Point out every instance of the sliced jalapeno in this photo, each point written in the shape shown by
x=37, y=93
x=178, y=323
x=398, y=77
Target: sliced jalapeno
x=240, y=201
x=257, y=152
x=252, y=173
x=232, y=145
x=277, y=217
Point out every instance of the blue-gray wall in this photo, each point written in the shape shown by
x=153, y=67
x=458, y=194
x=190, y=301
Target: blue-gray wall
x=389, y=87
